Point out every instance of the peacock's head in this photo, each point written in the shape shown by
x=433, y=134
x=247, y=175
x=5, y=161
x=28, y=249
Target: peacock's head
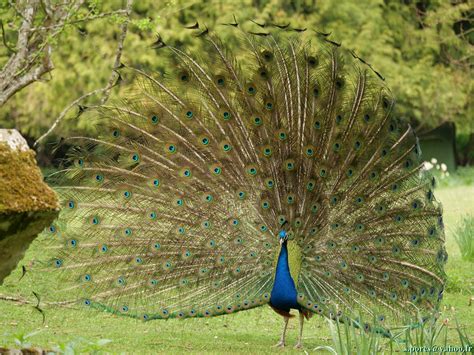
x=283, y=236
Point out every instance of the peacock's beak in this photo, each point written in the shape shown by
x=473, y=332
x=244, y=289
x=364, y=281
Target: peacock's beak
x=282, y=240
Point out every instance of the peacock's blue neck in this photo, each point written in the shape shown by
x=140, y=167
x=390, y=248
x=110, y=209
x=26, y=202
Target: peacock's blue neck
x=283, y=295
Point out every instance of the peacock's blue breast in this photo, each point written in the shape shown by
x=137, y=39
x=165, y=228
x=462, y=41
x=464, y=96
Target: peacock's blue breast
x=283, y=295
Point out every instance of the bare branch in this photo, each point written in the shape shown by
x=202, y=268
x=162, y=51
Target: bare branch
x=4, y=40
x=85, y=19
x=32, y=57
x=118, y=55
x=67, y=109
x=111, y=83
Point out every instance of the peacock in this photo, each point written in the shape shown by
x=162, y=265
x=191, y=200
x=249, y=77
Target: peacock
x=276, y=172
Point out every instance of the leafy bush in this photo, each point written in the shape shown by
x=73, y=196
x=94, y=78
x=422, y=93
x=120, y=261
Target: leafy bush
x=464, y=235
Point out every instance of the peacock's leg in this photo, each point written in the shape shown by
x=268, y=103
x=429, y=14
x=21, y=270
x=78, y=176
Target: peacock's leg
x=299, y=344
x=281, y=343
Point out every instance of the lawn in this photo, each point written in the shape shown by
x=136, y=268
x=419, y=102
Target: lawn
x=253, y=331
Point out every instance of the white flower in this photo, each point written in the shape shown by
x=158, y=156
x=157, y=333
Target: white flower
x=444, y=167
x=433, y=161
x=427, y=165
x=437, y=166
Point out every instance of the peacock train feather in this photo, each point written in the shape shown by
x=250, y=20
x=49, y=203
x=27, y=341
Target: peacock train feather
x=174, y=209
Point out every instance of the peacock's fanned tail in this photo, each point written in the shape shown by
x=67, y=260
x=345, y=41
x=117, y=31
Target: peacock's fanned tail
x=174, y=208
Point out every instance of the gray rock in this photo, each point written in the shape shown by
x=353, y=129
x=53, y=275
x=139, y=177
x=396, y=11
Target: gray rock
x=27, y=204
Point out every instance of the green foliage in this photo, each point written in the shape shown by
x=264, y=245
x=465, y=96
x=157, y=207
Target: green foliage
x=464, y=236
x=78, y=345
x=428, y=334
x=21, y=339
x=83, y=346
x=347, y=340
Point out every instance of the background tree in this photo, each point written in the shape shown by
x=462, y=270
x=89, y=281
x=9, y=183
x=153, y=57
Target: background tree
x=422, y=48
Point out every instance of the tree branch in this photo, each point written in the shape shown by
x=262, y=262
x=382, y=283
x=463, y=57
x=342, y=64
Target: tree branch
x=118, y=56
x=111, y=83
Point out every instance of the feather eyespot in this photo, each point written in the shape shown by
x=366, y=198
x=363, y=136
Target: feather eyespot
x=267, y=55
x=170, y=148
x=309, y=151
x=251, y=170
x=257, y=121
x=290, y=198
x=339, y=83
x=386, y=103
x=185, y=173
x=220, y=80
x=312, y=61
x=251, y=89
x=79, y=163
x=316, y=91
x=314, y=208
x=184, y=76
x=226, y=115
x=58, y=263
x=282, y=135
x=216, y=170
x=154, y=119
x=263, y=73
x=289, y=165
x=269, y=183
x=267, y=151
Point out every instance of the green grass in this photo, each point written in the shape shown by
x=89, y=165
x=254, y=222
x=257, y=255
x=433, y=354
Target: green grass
x=253, y=331
x=464, y=235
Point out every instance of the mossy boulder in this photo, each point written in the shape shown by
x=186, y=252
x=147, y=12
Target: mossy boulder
x=27, y=204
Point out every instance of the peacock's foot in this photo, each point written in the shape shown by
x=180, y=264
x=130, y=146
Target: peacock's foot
x=280, y=344
x=298, y=346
